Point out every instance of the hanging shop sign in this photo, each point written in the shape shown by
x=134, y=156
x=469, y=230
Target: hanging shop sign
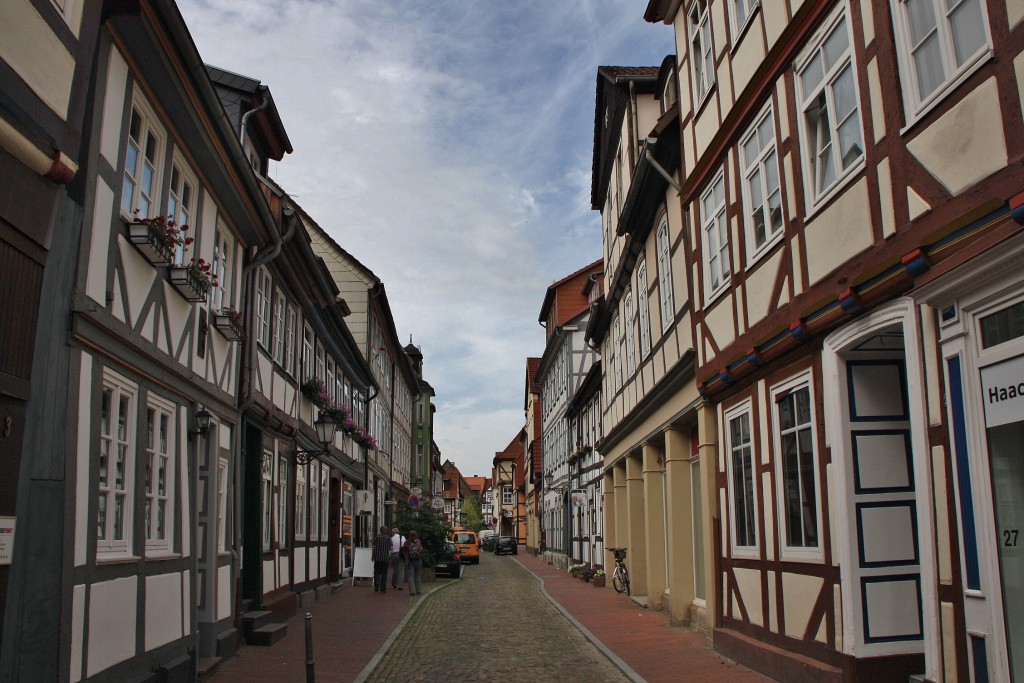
x=364, y=502
x=1002, y=391
x=6, y=539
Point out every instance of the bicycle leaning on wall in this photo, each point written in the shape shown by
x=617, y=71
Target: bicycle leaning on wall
x=620, y=575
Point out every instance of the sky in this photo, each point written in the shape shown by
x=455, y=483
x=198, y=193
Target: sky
x=447, y=145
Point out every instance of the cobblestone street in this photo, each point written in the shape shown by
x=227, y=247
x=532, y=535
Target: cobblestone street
x=494, y=623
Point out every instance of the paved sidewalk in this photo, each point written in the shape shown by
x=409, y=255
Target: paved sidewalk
x=353, y=628
x=639, y=640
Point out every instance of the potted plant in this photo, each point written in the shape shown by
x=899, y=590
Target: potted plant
x=576, y=569
x=598, y=580
x=157, y=238
x=229, y=322
x=194, y=279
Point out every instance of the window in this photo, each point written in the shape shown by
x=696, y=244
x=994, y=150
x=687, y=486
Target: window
x=330, y=381
x=741, y=480
x=702, y=63
x=830, y=110
x=938, y=41
x=308, y=344
x=289, y=340
x=506, y=495
x=715, y=230
x=278, y=343
x=325, y=487
x=220, y=296
x=159, y=465
x=665, y=276
x=762, y=196
x=627, y=306
x=181, y=203
x=117, y=448
x=282, y=502
x=268, y=498
x=142, y=163
x=222, y=504
x=643, y=309
x=741, y=11
x=321, y=362
x=300, y=502
x=617, y=345
x=796, y=465
x=263, y=308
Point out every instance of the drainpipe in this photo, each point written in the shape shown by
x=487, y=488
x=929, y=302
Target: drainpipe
x=247, y=115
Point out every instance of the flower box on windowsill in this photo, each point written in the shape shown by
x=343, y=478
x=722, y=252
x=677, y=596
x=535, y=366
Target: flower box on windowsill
x=189, y=283
x=150, y=242
x=230, y=325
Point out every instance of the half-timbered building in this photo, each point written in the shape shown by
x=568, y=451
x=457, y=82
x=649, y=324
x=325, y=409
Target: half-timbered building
x=852, y=192
x=655, y=487
x=564, y=365
x=533, y=456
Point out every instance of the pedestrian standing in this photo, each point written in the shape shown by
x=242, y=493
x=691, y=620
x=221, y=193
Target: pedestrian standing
x=381, y=556
x=414, y=549
x=397, y=566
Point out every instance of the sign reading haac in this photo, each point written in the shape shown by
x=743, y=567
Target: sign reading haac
x=1002, y=387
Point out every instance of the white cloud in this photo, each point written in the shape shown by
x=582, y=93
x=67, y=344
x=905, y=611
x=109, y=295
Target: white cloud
x=447, y=145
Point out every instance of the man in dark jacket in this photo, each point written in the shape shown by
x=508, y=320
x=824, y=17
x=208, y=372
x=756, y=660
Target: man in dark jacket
x=381, y=557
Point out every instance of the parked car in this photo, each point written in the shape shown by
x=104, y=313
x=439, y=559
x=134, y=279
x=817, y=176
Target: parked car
x=489, y=543
x=450, y=562
x=506, y=544
x=467, y=545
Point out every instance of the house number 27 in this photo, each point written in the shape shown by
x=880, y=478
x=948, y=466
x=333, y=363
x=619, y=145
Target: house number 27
x=1010, y=538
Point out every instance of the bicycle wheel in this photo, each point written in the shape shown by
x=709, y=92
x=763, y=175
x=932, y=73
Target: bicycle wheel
x=620, y=581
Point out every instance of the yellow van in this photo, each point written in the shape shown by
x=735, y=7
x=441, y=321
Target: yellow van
x=467, y=544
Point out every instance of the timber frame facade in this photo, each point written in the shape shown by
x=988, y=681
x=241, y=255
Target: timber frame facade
x=852, y=184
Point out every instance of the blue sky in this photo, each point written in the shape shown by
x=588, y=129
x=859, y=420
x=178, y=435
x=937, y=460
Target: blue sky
x=447, y=145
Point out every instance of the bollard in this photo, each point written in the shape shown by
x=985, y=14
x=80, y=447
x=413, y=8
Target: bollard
x=310, y=664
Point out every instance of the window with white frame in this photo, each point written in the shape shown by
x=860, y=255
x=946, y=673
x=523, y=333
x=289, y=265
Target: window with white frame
x=938, y=41
x=329, y=382
x=740, y=463
x=715, y=231
x=278, y=322
x=291, y=325
x=159, y=474
x=830, y=122
x=263, y=294
x=220, y=296
x=643, y=309
x=617, y=345
x=796, y=466
x=282, y=502
x=506, y=495
x=222, y=504
x=142, y=163
x=308, y=345
x=702, y=58
x=741, y=11
x=665, y=275
x=627, y=308
x=267, y=501
x=762, y=194
x=300, y=502
x=181, y=204
x=325, y=488
x=321, y=362
x=116, y=455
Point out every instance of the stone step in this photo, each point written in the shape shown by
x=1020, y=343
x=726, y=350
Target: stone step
x=266, y=636
x=253, y=620
x=207, y=667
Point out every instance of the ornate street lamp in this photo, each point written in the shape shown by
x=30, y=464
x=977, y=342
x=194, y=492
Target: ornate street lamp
x=324, y=427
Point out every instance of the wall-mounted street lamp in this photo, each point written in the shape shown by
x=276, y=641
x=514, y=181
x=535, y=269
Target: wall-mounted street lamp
x=548, y=479
x=203, y=420
x=325, y=434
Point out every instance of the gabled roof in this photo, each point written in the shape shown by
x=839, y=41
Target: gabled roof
x=240, y=94
x=567, y=295
x=513, y=452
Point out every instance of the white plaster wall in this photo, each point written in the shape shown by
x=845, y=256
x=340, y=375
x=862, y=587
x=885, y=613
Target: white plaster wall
x=876, y=96
x=96, y=277
x=300, y=564
x=113, y=107
x=885, y=198
x=163, y=614
x=748, y=582
x=77, y=631
x=83, y=490
x=36, y=54
x=839, y=233
x=1018, y=67
x=720, y=322
x=759, y=286
x=748, y=56
x=223, y=592
x=1014, y=15
x=966, y=144
x=112, y=625
x=269, y=581
x=799, y=593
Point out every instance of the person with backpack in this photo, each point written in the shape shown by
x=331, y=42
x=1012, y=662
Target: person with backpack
x=414, y=550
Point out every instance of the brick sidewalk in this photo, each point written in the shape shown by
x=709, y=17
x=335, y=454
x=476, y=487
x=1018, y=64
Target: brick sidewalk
x=642, y=639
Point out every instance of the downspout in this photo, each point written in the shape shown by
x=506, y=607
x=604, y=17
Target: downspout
x=245, y=117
